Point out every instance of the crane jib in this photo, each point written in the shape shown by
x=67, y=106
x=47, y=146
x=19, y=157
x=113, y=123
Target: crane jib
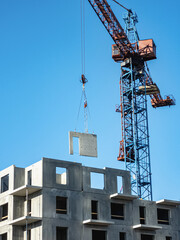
x=112, y=25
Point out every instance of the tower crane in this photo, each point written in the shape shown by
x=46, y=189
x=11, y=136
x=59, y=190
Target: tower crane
x=135, y=84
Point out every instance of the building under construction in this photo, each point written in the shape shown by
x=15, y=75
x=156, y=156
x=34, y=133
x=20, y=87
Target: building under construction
x=59, y=200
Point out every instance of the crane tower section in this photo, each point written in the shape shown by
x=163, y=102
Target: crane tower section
x=134, y=147
x=135, y=84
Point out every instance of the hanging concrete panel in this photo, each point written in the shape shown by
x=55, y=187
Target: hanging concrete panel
x=87, y=143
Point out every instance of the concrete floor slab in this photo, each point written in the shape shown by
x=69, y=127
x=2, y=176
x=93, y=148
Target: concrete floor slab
x=21, y=191
x=22, y=220
x=168, y=202
x=146, y=227
x=123, y=196
x=97, y=222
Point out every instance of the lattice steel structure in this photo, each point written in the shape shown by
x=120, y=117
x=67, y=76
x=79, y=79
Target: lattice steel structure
x=135, y=85
x=134, y=149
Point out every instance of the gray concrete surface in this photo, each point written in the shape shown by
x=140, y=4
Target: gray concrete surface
x=87, y=143
x=79, y=193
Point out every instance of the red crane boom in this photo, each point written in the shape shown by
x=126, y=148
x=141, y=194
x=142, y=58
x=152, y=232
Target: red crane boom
x=112, y=25
x=125, y=49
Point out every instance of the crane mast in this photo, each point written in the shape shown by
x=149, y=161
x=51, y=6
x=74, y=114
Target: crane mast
x=135, y=84
x=134, y=147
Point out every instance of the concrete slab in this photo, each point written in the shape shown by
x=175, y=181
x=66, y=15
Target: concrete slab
x=168, y=202
x=123, y=196
x=87, y=143
x=21, y=191
x=146, y=227
x=97, y=222
x=22, y=220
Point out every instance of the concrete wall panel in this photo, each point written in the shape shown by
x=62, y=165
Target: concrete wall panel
x=37, y=178
x=87, y=144
x=74, y=174
x=8, y=171
x=36, y=204
x=18, y=233
x=19, y=209
x=19, y=177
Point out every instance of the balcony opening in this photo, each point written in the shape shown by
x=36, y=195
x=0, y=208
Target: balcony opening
x=61, y=175
x=122, y=236
x=147, y=237
x=29, y=207
x=5, y=183
x=142, y=212
x=98, y=235
x=3, y=236
x=61, y=205
x=4, y=212
x=117, y=211
x=163, y=216
x=61, y=233
x=119, y=184
x=94, y=209
x=97, y=180
x=29, y=176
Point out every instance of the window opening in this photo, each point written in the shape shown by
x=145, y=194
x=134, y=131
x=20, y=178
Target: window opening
x=122, y=236
x=168, y=238
x=117, y=211
x=4, y=212
x=147, y=237
x=98, y=235
x=3, y=236
x=61, y=205
x=163, y=216
x=29, y=173
x=29, y=207
x=119, y=184
x=61, y=233
x=61, y=175
x=75, y=145
x=142, y=215
x=94, y=209
x=97, y=180
x=5, y=183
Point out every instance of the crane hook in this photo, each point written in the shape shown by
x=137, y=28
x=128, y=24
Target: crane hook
x=83, y=79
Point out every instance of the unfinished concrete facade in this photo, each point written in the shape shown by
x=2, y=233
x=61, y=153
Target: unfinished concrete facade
x=55, y=199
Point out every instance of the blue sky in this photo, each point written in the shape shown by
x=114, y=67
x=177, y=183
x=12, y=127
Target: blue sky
x=40, y=68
